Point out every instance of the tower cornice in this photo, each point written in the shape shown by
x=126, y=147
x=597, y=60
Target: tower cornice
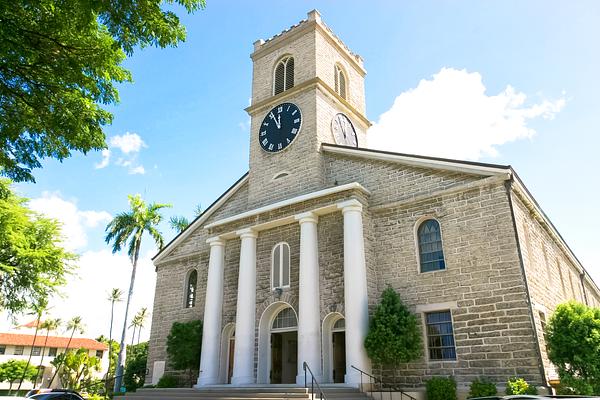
x=307, y=85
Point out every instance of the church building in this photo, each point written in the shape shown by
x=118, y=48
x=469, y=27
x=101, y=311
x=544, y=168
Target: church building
x=288, y=265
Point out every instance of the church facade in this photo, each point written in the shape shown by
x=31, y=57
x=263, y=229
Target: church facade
x=287, y=265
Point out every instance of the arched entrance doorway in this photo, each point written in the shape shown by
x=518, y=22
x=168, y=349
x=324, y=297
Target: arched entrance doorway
x=334, y=348
x=278, y=345
x=227, y=349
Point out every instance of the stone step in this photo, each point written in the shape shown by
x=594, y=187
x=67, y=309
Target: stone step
x=255, y=392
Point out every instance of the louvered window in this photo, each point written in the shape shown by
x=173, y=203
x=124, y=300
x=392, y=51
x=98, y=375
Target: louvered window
x=340, y=81
x=431, y=253
x=284, y=75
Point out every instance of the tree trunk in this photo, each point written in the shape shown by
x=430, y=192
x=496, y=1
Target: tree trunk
x=37, y=327
x=120, y=360
x=133, y=336
x=41, y=361
x=66, y=350
x=139, y=333
x=112, y=313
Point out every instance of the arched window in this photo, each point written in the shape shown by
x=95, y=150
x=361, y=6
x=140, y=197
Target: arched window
x=431, y=253
x=340, y=81
x=284, y=75
x=286, y=319
x=280, y=266
x=190, y=291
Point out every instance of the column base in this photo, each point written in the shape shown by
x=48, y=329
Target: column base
x=353, y=379
x=206, y=380
x=300, y=379
x=242, y=380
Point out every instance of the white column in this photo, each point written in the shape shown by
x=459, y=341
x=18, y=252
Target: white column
x=355, y=291
x=243, y=356
x=211, y=334
x=309, y=322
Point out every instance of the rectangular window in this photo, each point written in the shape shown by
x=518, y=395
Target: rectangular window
x=2, y=350
x=543, y=324
x=440, y=335
x=19, y=350
x=36, y=351
x=52, y=351
x=99, y=353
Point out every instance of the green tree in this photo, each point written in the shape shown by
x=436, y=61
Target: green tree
x=48, y=325
x=113, y=352
x=135, y=367
x=12, y=370
x=130, y=226
x=184, y=345
x=74, y=325
x=76, y=368
x=519, y=386
x=59, y=61
x=573, y=342
x=33, y=265
x=394, y=336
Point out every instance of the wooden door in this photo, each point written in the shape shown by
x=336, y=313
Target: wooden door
x=276, y=357
x=230, y=368
x=338, y=340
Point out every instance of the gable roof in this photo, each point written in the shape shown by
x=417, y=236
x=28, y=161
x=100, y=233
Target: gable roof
x=199, y=220
x=447, y=164
x=19, y=339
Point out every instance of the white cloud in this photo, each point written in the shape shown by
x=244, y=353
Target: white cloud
x=105, y=159
x=127, y=143
x=452, y=116
x=97, y=272
x=87, y=291
x=74, y=221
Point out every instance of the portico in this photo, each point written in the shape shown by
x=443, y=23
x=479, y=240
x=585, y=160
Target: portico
x=248, y=336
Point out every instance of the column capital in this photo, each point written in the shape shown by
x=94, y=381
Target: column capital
x=350, y=205
x=215, y=241
x=247, y=233
x=307, y=217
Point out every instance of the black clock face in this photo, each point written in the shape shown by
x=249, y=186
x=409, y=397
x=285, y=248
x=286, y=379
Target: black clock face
x=280, y=127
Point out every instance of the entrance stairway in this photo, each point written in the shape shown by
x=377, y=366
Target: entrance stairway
x=254, y=392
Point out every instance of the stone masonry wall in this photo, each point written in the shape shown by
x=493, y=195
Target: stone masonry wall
x=552, y=278
x=482, y=285
x=169, y=304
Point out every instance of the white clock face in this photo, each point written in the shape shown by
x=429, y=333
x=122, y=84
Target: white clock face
x=343, y=130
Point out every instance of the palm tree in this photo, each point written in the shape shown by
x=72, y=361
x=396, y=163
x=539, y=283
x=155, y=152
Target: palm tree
x=179, y=223
x=48, y=325
x=75, y=324
x=130, y=226
x=38, y=310
x=134, y=325
x=115, y=296
x=142, y=316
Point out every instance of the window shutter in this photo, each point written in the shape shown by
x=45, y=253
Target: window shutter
x=279, y=78
x=289, y=74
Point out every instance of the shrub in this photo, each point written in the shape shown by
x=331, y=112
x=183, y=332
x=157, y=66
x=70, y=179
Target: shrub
x=519, y=386
x=482, y=387
x=135, y=366
x=184, y=345
x=167, y=381
x=573, y=342
x=440, y=388
x=394, y=336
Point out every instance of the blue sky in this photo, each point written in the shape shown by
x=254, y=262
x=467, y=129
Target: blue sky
x=186, y=105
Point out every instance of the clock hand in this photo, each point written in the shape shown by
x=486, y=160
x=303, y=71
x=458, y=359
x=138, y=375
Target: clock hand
x=278, y=121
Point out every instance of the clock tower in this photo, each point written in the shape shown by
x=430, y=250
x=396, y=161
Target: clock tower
x=307, y=89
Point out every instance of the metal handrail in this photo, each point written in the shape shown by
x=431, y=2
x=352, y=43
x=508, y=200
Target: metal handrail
x=312, y=382
x=381, y=383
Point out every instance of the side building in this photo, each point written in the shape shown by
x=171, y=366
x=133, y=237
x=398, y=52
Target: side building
x=288, y=264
